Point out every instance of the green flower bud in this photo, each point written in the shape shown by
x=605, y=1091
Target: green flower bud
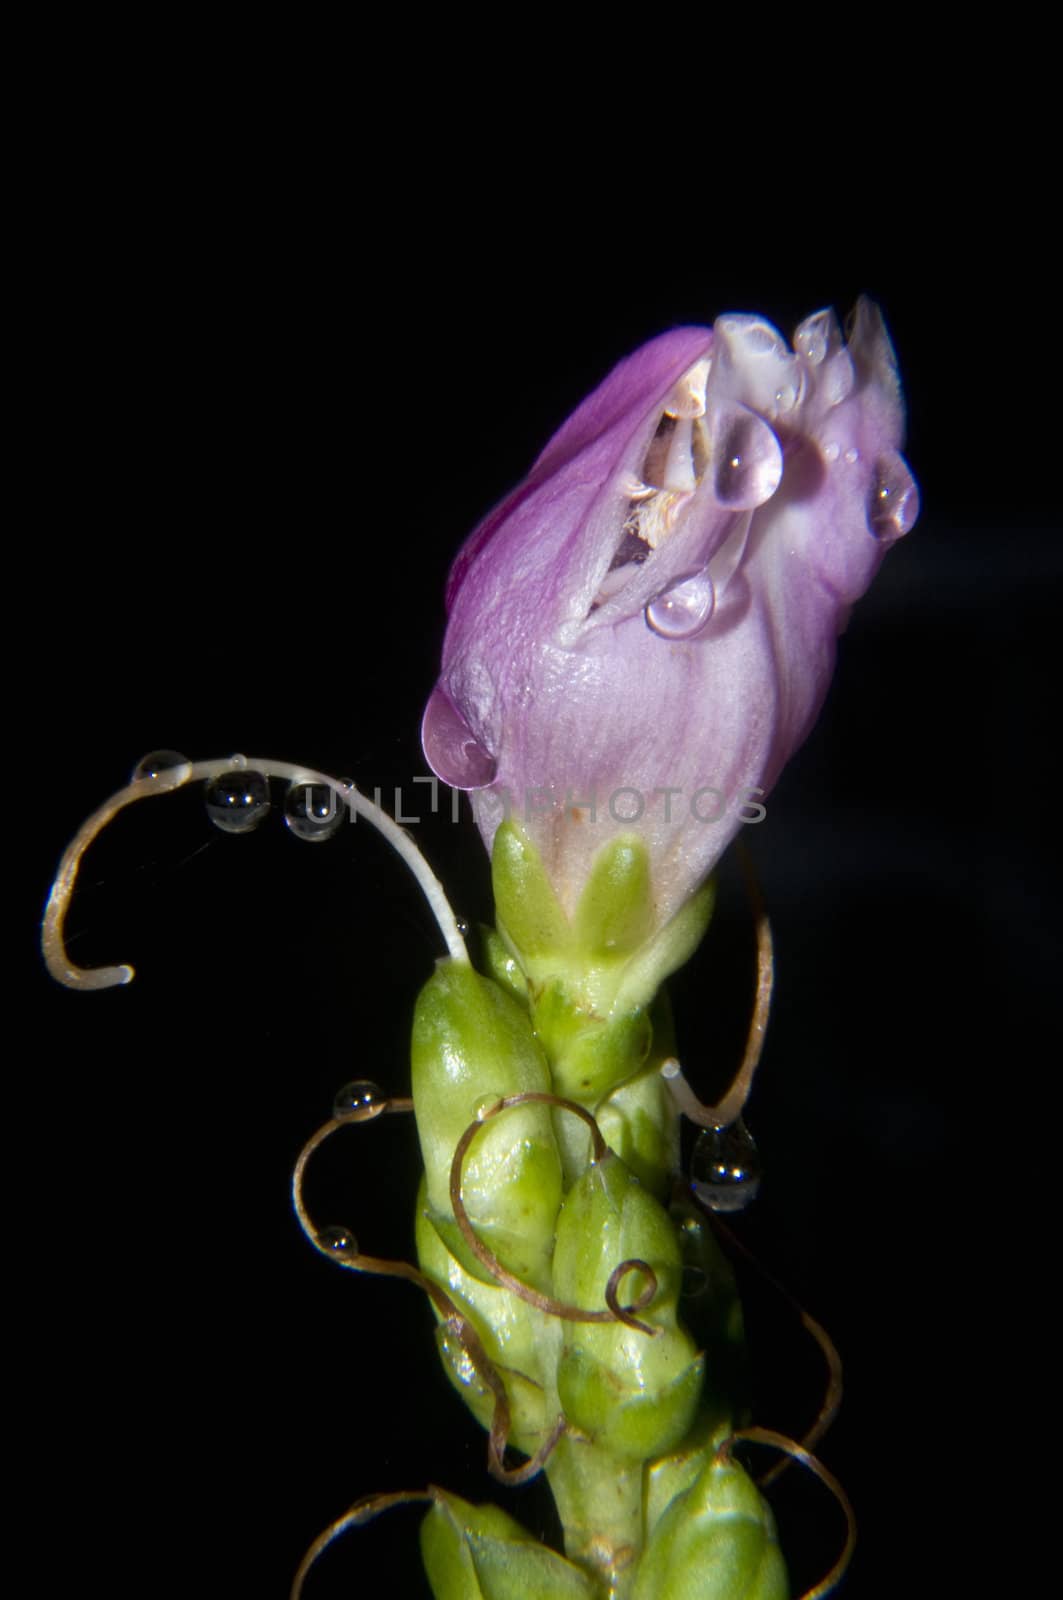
x=502, y=965
x=633, y=1394
x=590, y=1054
x=520, y=1340
x=716, y=1541
x=473, y=1044
x=479, y=1553
x=614, y=954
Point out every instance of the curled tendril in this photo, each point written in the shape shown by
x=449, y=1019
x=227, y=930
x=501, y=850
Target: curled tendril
x=731, y=1106
x=832, y=1398
x=356, y=1516
x=796, y=1452
x=614, y=1312
x=454, y=1321
x=168, y=779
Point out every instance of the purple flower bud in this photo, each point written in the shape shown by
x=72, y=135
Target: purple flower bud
x=643, y=632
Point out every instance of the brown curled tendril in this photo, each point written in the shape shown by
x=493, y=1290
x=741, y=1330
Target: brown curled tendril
x=614, y=1312
x=454, y=1321
x=356, y=1516
x=733, y=1102
x=796, y=1452
x=832, y=1399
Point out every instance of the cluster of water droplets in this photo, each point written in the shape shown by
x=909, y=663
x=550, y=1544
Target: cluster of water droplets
x=238, y=800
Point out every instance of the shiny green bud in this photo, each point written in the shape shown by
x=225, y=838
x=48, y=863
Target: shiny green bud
x=633, y=1394
x=472, y=1045
x=479, y=1553
x=716, y=1541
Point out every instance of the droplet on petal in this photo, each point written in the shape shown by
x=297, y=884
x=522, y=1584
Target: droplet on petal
x=837, y=378
x=166, y=768
x=237, y=801
x=725, y=1168
x=893, y=503
x=313, y=811
x=684, y=608
x=451, y=747
x=359, y=1101
x=748, y=460
x=817, y=336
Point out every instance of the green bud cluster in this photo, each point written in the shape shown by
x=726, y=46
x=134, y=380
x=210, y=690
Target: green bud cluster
x=651, y=1508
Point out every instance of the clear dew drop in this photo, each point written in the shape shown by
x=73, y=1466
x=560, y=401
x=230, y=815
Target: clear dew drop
x=748, y=461
x=451, y=748
x=893, y=502
x=358, y=1101
x=725, y=1169
x=313, y=811
x=237, y=801
x=816, y=336
x=683, y=609
x=338, y=1240
x=167, y=768
x=836, y=381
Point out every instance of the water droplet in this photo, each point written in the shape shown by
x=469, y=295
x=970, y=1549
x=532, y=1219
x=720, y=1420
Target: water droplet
x=695, y=1281
x=237, y=801
x=167, y=768
x=338, y=1240
x=725, y=1168
x=786, y=397
x=831, y=451
x=893, y=503
x=683, y=609
x=817, y=336
x=238, y=761
x=852, y=456
x=314, y=811
x=451, y=748
x=836, y=381
x=748, y=460
x=359, y=1101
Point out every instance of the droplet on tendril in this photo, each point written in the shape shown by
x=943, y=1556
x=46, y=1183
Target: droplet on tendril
x=237, y=801
x=358, y=1101
x=683, y=609
x=338, y=1240
x=168, y=768
x=313, y=811
x=725, y=1168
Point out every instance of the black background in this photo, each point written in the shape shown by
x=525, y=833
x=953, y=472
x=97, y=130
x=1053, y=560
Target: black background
x=266, y=404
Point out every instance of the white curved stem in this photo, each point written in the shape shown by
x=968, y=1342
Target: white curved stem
x=67, y=972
